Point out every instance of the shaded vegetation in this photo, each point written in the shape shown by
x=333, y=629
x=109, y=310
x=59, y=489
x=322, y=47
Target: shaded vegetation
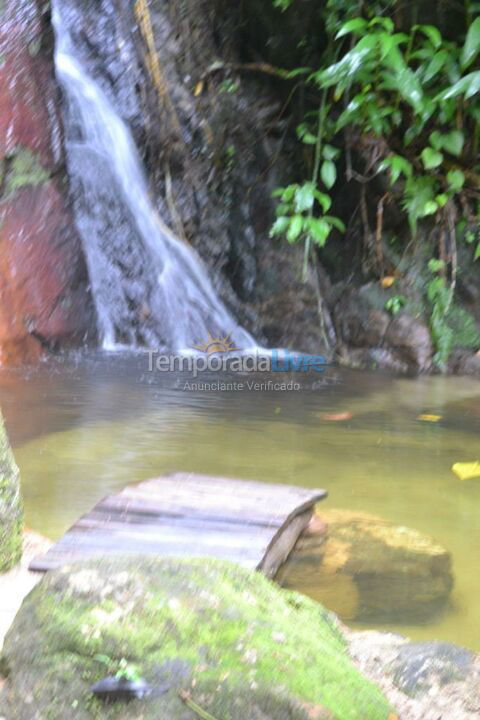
x=388, y=121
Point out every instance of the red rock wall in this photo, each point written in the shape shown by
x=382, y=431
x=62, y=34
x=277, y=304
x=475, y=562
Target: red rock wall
x=44, y=298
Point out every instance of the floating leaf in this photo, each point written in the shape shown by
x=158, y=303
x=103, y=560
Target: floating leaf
x=467, y=471
x=387, y=282
x=425, y=417
x=337, y=417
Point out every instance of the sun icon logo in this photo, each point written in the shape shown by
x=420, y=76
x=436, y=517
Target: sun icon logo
x=217, y=345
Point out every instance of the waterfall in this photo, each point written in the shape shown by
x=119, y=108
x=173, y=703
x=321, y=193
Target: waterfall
x=149, y=287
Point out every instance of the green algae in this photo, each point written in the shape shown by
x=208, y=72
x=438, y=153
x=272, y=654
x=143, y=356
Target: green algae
x=244, y=645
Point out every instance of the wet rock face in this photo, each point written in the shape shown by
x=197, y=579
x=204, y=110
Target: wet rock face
x=44, y=301
x=208, y=140
x=371, y=338
x=368, y=569
x=228, y=638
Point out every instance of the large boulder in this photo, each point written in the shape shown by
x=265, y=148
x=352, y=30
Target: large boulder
x=44, y=300
x=231, y=640
x=369, y=569
x=11, y=508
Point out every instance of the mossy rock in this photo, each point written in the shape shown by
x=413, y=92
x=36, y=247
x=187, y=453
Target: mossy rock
x=11, y=509
x=366, y=568
x=243, y=648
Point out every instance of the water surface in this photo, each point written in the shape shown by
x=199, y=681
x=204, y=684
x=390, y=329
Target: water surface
x=84, y=426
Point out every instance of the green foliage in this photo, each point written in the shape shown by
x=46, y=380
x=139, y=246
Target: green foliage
x=409, y=99
x=123, y=669
x=464, y=327
x=395, y=304
x=295, y=219
x=440, y=296
x=397, y=87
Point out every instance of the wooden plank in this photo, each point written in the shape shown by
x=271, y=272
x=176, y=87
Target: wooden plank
x=253, y=524
x=283, y=544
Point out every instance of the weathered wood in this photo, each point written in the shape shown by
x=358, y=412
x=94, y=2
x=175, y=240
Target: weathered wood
x=253, y=524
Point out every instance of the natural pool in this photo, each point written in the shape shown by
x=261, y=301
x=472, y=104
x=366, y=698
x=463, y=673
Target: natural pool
x=86, y=425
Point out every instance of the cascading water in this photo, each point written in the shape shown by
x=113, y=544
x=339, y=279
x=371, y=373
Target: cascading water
x=150, y=289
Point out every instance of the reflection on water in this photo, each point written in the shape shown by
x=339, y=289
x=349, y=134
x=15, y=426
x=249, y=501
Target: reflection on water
x=85, y=427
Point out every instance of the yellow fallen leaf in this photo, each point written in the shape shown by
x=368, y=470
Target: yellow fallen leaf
x=429, y=418
x=467, y=471
x=387, y=281
x=198, y=88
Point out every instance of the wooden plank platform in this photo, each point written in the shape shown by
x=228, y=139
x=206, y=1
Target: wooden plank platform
x=253, y=524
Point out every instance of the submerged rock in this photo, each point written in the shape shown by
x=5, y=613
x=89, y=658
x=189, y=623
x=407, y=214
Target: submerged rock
x=366, y=568
x=228, y=639
x=11, y=507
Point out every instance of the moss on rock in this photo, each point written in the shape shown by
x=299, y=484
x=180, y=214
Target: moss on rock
x=24, y=168
x=11, y=510
x=243, y=648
